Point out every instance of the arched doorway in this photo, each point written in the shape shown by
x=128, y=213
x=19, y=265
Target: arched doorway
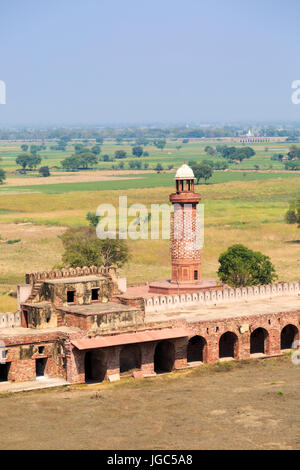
x=130, y=357
x=95, y=365
x=228, y=344
x=258, y=341
x=289, y=334
x=164, y=356
x=196, y=349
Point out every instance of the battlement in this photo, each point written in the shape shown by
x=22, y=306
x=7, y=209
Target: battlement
x=34, y=277
x=159, y=303
x=10, y=320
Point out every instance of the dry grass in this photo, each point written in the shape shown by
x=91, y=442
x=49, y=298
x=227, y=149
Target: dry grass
x=241, y=405
x=246, y=212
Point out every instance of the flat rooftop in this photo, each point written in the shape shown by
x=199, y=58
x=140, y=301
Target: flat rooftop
x=73, y=280
x=98, y=308
x=196, y=313
x=20, y=331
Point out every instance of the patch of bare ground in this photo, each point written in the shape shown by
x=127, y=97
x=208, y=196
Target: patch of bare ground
x=242, y=405
x=69, y=177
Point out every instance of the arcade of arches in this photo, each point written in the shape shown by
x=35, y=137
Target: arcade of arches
x=163, y=355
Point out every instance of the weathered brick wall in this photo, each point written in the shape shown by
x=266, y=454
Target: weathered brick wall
x=112, y=321
x=57, y=293
x=22, y=352
x=211, y=331
x=243, y=326
x=40, y=316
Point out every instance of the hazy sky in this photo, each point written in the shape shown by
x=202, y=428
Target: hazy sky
x=85, y=62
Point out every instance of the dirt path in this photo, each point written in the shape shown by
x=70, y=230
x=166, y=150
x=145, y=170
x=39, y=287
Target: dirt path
x=80, y=177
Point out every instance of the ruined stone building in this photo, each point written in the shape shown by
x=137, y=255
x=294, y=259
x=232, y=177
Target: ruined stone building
x=84, y=325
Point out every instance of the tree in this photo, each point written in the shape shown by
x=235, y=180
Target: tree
x=92, y=218
x=24, y=147
x=294, y=166
x=120, y=154
x=220, y=148
x=158, y=168
x=96, y=149
x=99, y=140
x=87, y=159
x=240, y=266
x=137, y=151
x=61, y=145
x=83, y=248
x=245, y=152
x=229, y=152
x=142, y=141
x=79, y=148
x=28, y=160
x=210, y=150
x=35, y=148
x=2, y=176
x=292, y=216
x=44, y=171
x=202, y=170
x=160, y=144
x=22, y=160
x=34, y=160
x=71, y=163
x=294, y=152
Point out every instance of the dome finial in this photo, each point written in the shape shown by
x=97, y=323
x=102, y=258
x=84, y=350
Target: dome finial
x=184, y=173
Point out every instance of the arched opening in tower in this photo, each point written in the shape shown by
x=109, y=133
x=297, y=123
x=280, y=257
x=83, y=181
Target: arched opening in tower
x=196, y=349
x=95, y=365
x=228, y=345
x=164, y=357
x=258, y=341
x=130, y=357
x=289, y=335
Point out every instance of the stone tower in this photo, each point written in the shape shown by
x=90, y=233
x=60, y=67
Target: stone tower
x=185, y=235
x=185, y=240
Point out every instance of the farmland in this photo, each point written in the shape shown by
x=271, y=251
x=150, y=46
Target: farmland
x=193, y=150
x=240, y=206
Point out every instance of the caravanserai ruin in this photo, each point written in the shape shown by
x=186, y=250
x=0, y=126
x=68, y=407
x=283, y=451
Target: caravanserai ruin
x=83, y=325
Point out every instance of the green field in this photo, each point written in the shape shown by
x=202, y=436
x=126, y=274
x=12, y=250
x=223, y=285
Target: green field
x=194, y=150
x=245, y=207
x=142, y=180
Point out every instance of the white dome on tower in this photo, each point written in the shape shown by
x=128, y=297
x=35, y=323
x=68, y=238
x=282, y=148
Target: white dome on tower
x=184, y=173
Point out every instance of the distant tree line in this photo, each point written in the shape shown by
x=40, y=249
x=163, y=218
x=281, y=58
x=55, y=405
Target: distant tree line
x=147, y=133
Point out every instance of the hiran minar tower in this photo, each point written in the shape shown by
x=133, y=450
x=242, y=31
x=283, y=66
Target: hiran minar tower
x=185, y=232
x=186, y=240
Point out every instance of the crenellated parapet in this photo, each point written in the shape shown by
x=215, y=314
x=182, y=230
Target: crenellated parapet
x=160, y=303
x=10, y=320
x=36, y=277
